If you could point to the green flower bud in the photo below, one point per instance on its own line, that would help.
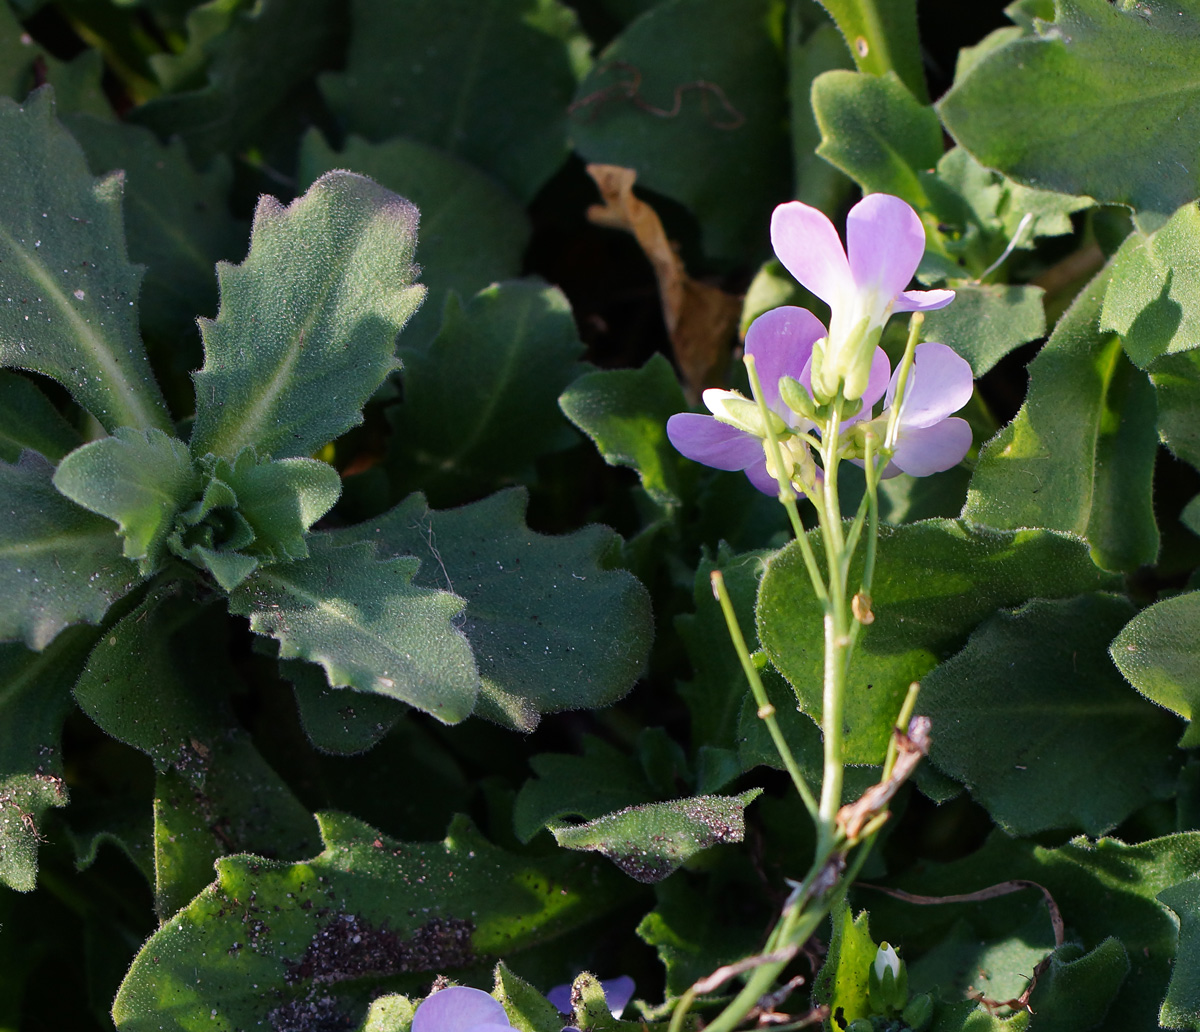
(918, 1013)
(731, 408)
(797, 398)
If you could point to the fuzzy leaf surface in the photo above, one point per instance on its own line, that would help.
(551, 627)
(139, 479)
(307, 325)
(652, 841)
(1176, 380)
(270, 939)
(29, 421)
(986, 321)
(1104, 100)
(1088, 751)
(69, 307)
(59, 564)
(934, 582)
(1079, 456)
(1181, 1007)
(367, 624)
(1159, 652)
(338, 720)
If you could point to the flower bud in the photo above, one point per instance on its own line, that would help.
(731, 408)
(887, 981)
(797, 398)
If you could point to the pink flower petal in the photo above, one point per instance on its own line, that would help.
(809, 247)
(460, 1009)
(922, 300)
(703, 439)
(921, 451)
(781, 342)
(940, 383)
(885, 241)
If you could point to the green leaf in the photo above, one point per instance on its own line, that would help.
(600, 781)
(1158, 652)
(1176, 380)
(28, 420)
(652, 841)
(140, 479)
(70, 295)
(308, 321)
(473, 231)
(271, 942)
(877, 132)
(934, 582)
(242, 65)
(177, 219)
(693, 96)
(817, 183)
(502, 75)
(1181, 1007)
(842, 981)
(59, 564)
(987, 321)
(335, 720)
(528, 1010)
(1153, 298)
(1079, 456)
(1043, 106)
(881, 35)
(551, 626)
(1092, 752)
(625, 412)
(365, 622)
(1075, 992)
(480, 403)
(34, 701)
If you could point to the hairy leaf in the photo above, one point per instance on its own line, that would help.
(986, 321)
(934, 582)
(308, 321)
(650, 842)
(59, 564)
(338, 720)
(274, 942)
(882, 37)
(1176, 380)
(29, 421)
(1181, 1007)
(1079, 456)
(367, 624)
(68, 307)
(552, 628)
(1078, 749)
(1102, 101)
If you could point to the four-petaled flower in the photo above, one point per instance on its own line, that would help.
(863, 283)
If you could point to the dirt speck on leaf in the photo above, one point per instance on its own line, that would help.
(312, 1014)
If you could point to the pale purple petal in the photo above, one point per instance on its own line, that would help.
(885, 242)
(808, 245)
(877, 382)
(763, 480)
(781, 342)
(460, 1009)
(703, 439)
(617, 993)
(560, 996)
(939, 383)
(922, 300)
(921, 451)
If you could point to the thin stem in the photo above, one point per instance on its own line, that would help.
(902, 719)
(906, 363)
(766, 711)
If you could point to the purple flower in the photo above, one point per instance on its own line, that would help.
(781, 342)
(863, 284)
(460, 1009)
(929, 440)
(617, 994)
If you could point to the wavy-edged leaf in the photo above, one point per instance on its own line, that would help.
(1181, 1007)
(308, 321)
(339, 721)
(652, 841)
(934, 582)
(59, 564)
(473, 231)
(272, 942)
(366, 622)
(35, 698)
(1104, 100)
(68, 295)
(501, 70)
(552, 628)
(138, 478)
(1079, 456)
(29, 421)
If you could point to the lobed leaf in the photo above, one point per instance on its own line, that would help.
(935, 581)
(367, 624)
(1042, 106)
(59, 564)
(69, 300)
(274, 942)
(551, 627)
(652, 841)
(308, 321)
